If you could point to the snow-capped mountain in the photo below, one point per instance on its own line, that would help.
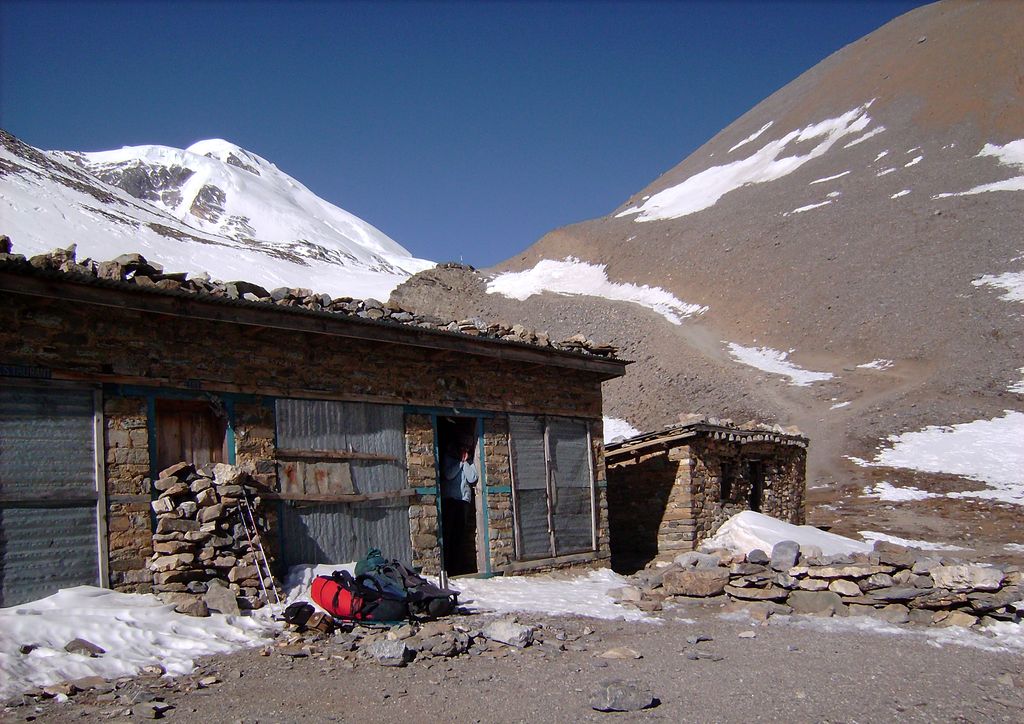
(211, 207)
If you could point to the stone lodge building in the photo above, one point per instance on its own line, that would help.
(670, 490)
(338, 411)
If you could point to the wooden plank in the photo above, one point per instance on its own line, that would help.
(358, 498)
(326, 455)
(48, 500)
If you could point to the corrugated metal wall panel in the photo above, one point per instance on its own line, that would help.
(353, 426)
(46, 451)
(573, 518)
(46, 441)
(344, 532)
(337, 533)
(46, 549)
(530, 468)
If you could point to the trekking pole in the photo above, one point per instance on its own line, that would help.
(257, 548)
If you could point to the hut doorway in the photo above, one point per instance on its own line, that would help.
(459, 476)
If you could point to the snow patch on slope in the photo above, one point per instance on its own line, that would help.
(704, 189)
(871, 537)
(753, 136)
(1012, 154)
(989, 451)
(1012, 282)
(809, 207)
(890, 493)
(617, 429)
(775, 361)
(573, 277)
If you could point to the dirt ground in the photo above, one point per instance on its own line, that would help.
(788, 670)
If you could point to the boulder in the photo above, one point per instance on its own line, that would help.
(221, 599)
(785, 554)
(84, 648)
(758, 557)
(693, 559)
(389, 653)
(509, 632)
(819, 603)
(696, 582)
(967, 577)
(771, 593)
(621, 695)
(844, 587)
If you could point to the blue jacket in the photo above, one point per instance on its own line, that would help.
(458, 479)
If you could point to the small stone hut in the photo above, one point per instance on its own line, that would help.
(338, 411)
(671, 489)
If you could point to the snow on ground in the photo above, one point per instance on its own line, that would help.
(885, 172)
(881, 155)
(898, 194)
(913, 162)
(828, 178)
(774, 361)
(890, 493)
(871, 536)
(752, 137)
(1012, 282)
(1001, 636)
(1012, 154)
(135, 631)
(749, 530)
(989, 451)
(877, 364)
(704, 189)
(839, 405)
(1017, 387)
(1014, 547)
(870, 134)
(574, 277)
(615, 429)
(580, 595)
(802, 209)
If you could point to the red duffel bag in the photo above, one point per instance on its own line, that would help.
(346, 597)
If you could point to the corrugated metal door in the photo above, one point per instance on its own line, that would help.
(571, 486)
(48, 516)
(336, 533)
(531, 485)
(554, 504)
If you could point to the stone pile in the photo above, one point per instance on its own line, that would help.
(204, 553)
(894, 583)
(134, 268)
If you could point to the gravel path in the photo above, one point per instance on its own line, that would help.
(789, 670)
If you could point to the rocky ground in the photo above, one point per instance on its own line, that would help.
(701, 661)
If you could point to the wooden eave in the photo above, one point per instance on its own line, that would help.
(673, 437)
(76, 289)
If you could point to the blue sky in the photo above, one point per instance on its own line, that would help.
(462, 130)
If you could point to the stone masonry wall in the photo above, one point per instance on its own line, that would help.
(782, 493)
(423, 517)
(499, 504)
(128, 487)
(106, 343)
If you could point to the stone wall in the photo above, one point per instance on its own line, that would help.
(499, 493)
(423, 514)
(666, 502)
(83, 339)
(129, 525)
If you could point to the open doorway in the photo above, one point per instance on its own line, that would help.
(460, 494)
(755, 473)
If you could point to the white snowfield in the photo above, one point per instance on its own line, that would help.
(134, 630)
(266, 228)
(752, 137)
(889, 493)
(776, 362)
(989, 451)
(877, 364)
(1012, 155)
(703, 190)
(808, 207)
(572, 277)
(616, 429)
(872, 536)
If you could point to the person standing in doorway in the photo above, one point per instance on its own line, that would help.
(459, 476)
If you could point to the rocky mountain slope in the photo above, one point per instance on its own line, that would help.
(212, 207)
(863, 223)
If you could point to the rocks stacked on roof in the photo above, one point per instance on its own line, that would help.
(893, 583)
(136, 269)
(205, 555)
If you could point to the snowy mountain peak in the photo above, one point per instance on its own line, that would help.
(195, 209)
